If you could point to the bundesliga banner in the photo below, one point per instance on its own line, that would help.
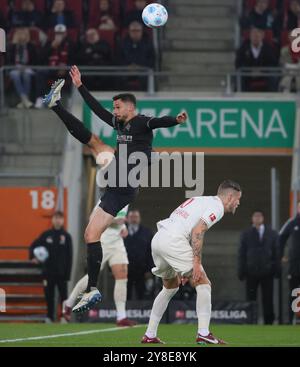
(228, 123)
(179, 312)
(184, 312)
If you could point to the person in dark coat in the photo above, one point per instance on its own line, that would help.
(138, 247)
(28, 16)
(256, 53)
(291, 229)
(259, 262)
(59, 15)
(136, 51)
(57, 265)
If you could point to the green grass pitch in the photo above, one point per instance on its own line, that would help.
(108, 335)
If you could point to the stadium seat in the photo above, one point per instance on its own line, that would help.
(4, 8)
(284, 38)
(109, 37)
(94, 10)
(40, 5)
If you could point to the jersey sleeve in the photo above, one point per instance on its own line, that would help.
(158, 122)
(212, 215)
(95, 106)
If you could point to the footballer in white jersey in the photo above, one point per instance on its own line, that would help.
(177, 255)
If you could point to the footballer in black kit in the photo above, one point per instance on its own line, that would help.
(134, 131)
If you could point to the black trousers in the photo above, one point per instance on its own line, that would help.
(136, 281)
(266, 284)
(49, 289)
(294, 282)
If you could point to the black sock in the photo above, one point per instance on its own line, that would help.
(75, 126)
(94, 259)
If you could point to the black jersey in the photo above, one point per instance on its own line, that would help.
(137, 133)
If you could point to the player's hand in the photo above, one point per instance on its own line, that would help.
(76, 76)
(198, 273)
(181, 118)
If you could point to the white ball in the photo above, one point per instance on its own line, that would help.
(155, 15)
(41, 253)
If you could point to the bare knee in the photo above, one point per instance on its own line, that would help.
(171, 283)
(91, 236)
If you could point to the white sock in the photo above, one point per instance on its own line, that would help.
(120, 297)
(80, 287)
(203, 307)
(158, 309)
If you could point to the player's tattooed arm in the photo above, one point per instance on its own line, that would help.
(197, 239)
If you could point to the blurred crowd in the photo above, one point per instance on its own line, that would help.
(266, 27)
(57, 33)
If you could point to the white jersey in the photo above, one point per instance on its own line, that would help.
(183, 219)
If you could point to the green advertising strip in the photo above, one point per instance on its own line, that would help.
(213, 123)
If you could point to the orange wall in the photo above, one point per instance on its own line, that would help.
(25, 213)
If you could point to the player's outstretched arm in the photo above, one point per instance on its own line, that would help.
(167, 121)
(94, 105)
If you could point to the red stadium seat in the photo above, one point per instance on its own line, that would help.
(109, 37)
(39, 5)
(284, 38)
(4, 8)
(94, 10)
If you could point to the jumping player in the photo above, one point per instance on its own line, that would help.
(177, 255)
(133, 130)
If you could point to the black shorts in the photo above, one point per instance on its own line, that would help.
(114, 199)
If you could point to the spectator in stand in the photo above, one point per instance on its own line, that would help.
(28, 16)
(57, 52)
(21, 52)
(104, 19)
(290, 61)
(136, 13)
(138, 247)
(291, 230)
(288, 20)
(259, 262)
(59, 15)
(94, 52)
(260, 16)
(57, 264)
(256, 53)
(136, 51)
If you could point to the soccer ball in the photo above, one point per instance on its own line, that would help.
(155, 15)
(41, 253)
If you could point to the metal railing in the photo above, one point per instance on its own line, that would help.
(234, 79)
(231, 82)
(110, 71)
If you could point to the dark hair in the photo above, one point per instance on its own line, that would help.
(259, 211)
(126, 97)
(229, 184)
(58, 213)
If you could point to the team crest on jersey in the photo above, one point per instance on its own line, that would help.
(212, 217)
